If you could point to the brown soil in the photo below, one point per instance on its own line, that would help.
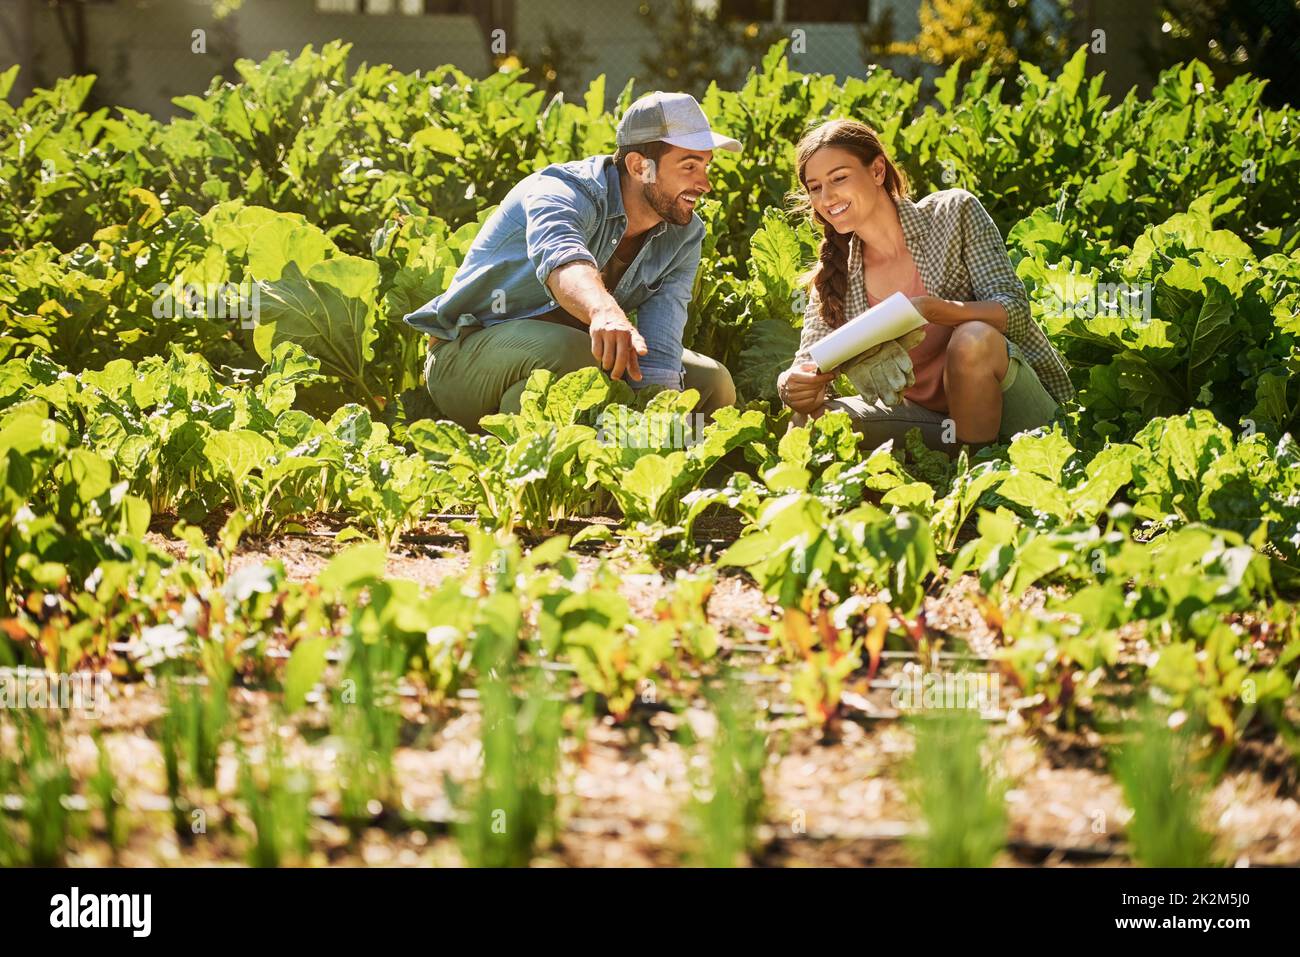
(831, 801)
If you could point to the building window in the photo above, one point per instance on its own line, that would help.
(411, 8)
(795, 11)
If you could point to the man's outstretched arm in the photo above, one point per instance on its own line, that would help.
(615, 342)
(558, 218)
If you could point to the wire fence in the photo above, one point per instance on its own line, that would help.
(145, 52)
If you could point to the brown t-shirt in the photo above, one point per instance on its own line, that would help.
(610, 276)
(613, 272)
(929, 357)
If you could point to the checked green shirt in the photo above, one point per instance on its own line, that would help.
(960, 255)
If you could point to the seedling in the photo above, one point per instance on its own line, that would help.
(959, 799)
(277, 797)
(1160, 775)
(45, 782)
(509, 813)
(104, 784)
(727, 805)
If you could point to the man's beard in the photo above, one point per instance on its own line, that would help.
(666, 207)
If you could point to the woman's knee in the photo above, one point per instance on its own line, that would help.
(975, 343)
(1025, 403)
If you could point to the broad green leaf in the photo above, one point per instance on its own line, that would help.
(329, 311)
(281, 241)
(1043, 455)
(186, 447)
(354, 566)
(769, 349)
(237, 454)
(439, 140)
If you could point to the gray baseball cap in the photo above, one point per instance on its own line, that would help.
(673, 118)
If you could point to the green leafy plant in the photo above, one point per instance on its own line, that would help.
(727, 804)
(613, 652)
(640, 459)
(959, 799)
(796, 549)
(1156, 769)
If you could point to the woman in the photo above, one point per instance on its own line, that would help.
(982, 371)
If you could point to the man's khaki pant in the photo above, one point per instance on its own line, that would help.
(485, 370)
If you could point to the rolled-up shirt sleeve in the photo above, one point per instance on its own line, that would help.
(993, 278)
(559, 220)
(661, 320)
(814, 329)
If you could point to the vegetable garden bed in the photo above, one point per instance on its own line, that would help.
(341, 631)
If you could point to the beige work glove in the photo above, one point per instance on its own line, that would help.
(885, 371)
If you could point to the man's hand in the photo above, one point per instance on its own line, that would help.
(803, 388)
(616, 343)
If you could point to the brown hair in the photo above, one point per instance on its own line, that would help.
(830, 276)
(653, 151)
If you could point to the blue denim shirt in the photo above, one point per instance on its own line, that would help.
(565, 213)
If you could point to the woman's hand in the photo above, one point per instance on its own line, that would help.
(803, 388)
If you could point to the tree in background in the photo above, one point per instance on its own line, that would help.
(559, 62)
(17, 23)
(1233, 37)
(70, 15)
(1002, 32)
(695, 45)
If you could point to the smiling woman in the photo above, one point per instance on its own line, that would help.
(983, 370)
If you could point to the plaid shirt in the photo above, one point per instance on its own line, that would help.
(960, 255)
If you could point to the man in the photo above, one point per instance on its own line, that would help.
(570, 252)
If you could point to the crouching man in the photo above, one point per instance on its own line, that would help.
(571, 251)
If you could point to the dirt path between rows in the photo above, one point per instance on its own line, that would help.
(624, 789)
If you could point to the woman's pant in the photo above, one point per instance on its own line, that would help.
(1026, 404)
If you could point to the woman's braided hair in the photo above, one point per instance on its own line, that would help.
(830, 277)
